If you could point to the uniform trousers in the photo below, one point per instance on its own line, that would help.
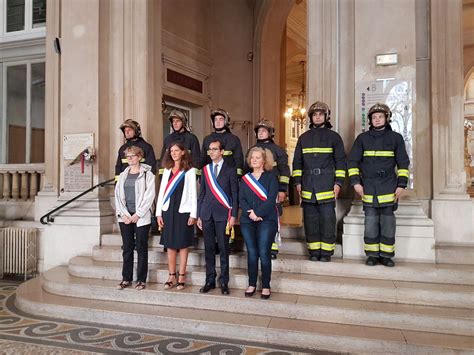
(320, 228)
(379, 231)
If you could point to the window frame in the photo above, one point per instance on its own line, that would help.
(29, 32)
(3, 117)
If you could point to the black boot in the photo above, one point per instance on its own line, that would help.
(371, 261)
(387, 262)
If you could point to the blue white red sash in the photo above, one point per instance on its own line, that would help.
(172, 185)
(255, 186)
(216, 190)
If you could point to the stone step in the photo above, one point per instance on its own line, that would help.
(387, 315)
(418, 272)
(268, 329)
(405, 292)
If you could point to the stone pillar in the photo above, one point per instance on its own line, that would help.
(24, 185)
(15, 185)
(451, 208)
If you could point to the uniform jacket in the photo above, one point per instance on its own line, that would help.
(189, 141)
(280, 164)
(189, 198)
(248, 200)
(373, 160)
(144, 195)
(319, 163)
(208, 206)
(233, 150)
(148, 155)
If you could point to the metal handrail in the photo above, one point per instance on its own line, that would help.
(51, 219)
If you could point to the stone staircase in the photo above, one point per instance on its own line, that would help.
(418, 308)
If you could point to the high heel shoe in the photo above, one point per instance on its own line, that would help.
(250, 293)
(266, 296)
(169, 283)
(180, 285)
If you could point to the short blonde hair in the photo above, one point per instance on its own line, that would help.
(134, 150)
(266, 155)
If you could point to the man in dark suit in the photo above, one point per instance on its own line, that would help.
(217, 213)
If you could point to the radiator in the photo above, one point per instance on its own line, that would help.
(18, 251)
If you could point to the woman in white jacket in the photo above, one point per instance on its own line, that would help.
(134, 195)
(176, 210)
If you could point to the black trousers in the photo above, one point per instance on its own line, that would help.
(134, 236)
(215, 231)
(379, 231)
(320, 228)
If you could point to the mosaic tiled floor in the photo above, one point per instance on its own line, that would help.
(22, 333)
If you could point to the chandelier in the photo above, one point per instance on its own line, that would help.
(298, 113)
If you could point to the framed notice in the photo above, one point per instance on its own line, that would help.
(74, 144)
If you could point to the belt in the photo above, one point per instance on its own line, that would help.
(319, 171)
(380, 174)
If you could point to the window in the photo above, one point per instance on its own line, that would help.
(22, 19)
(22, 128)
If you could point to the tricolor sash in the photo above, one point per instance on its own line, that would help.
(172, 185)
(262, 194)
(219, 194)
(255, 186)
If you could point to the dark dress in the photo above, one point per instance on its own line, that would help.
(176, 232)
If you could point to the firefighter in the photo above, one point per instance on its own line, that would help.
(233, 155)
(319, 170)
(182, 134)
(265, 132)
(378, 170)
(133, 136)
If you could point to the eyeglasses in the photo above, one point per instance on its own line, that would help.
(130, 156)
(213, 149)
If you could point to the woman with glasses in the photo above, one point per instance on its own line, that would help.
(259, 221)
(176, 210)
(134, 195)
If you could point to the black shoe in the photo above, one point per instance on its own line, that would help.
(274, 256)
(266, 297)
(387, 262)
(371, 261)
(314, 258)
(207, 287)
(325, 259)
(225, 289)
(250, 293)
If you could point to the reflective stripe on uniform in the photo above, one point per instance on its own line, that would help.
(297, 173)
(275, 163)
(314, 245)
(116, 178)
(327, 246)
(371, 247)
(386, 198)
(353, 171)
(326, 195)
(387, 248)
(340, 173)
(275, 246)
(228, 152)
(124, 161)
(368, 198)
(239, 171)
(379, 153)
(317, 150)
(285, 179)
(402, 172)
(161, 171)
(198, 171)
(306, 195)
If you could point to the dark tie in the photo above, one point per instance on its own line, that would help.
(215, 169)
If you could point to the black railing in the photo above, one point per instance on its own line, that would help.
(48, 216)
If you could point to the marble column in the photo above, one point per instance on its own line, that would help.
(452, 210)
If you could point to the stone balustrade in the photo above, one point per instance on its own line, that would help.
(20, 181)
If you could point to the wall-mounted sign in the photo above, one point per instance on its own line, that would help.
(183, 80)
(74, 144)
(386, 59)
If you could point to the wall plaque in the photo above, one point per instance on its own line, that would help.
(183, 80)
(77, 178)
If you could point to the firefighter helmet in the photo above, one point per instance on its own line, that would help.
(223, 113)
(320, 107)
(265, 124)
(180, 115)
(133, 125)
(379, 107)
